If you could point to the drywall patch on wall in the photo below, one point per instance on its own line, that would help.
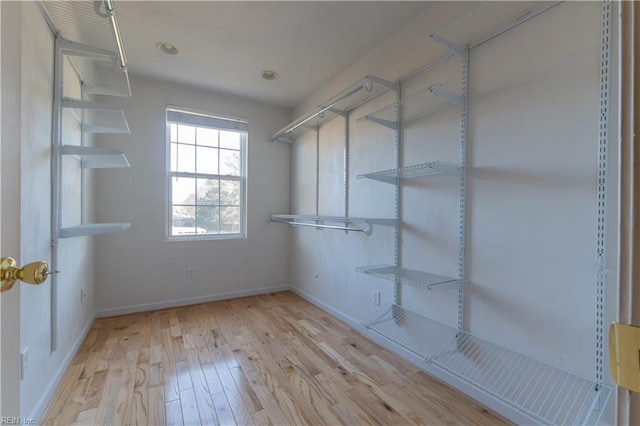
(137, 266)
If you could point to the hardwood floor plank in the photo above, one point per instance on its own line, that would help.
(350, 414)
(156, 406)
(201, 389)
(107, 406)
(267, 360)
(223, 410)
(87, 417)
(260, 418)
(190, 415)
(247, 394)
(173, 411)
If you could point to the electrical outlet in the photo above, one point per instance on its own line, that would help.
(24, 362)
(191, 273)
(376, 297)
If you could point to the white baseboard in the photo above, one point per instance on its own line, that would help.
(45, 398)
(146, 307)
(489, 402)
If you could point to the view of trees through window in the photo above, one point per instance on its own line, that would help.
(206, 180)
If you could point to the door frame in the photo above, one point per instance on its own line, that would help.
(628, 407)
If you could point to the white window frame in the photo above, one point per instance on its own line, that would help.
(242, 178)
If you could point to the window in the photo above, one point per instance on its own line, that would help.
(206, 175)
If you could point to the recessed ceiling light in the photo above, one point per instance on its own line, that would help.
(270, 75)
(167, 48)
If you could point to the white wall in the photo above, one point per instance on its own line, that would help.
(137, 269)
(533, 131)
(39, 303)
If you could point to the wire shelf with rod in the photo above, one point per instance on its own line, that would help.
(92, 43)
(424, 102)
(414, 171)
(547, 394)
(341, 223)
(357, 94)
(420, 279)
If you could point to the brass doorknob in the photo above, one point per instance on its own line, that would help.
(33, 273)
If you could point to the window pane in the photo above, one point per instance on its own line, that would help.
(229, 193)
(186, 134)
(186, 158)
(207, 160)
(174, 149)
(173, 129)
(183, 221)
(207, 137)
(229, 220)
(230, 140)
(183, 190)
(208, 220)
(208, 192)
(229, 162)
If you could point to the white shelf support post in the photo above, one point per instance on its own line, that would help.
(603, 158)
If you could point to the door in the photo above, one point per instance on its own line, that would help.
(26, 72)
(10, 134)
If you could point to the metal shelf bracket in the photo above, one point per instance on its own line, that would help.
(452, 47)
(386, 123)
(447, 95)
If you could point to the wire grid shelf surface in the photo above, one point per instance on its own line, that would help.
(415, 333)
(414, 171)
(97, 158)
(546, 393)
(348, 99)
(97, 118)
(420, 279)
(101, 77)
(86, 22)
(413, 106)
(92, 229)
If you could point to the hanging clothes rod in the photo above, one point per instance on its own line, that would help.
(341, 228)
(122, 56)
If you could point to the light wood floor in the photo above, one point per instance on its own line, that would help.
(273, 359)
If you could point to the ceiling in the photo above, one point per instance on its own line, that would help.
(225, 45)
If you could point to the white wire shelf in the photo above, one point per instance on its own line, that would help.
(356, 224)
(489, 20)
(91, 41)
(97, 158)
(92, 229)
(419, 335)
(545, 393)
(355, 95)
(420, 279)
(415, 171)
(97, 118)
(418, 104)
(548, 394)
